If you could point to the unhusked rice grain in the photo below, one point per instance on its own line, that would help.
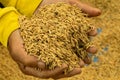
(57, 34)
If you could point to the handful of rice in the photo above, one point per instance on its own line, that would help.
(57, 34)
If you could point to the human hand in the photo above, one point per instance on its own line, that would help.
(29, 65)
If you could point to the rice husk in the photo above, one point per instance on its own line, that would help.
(57, 34)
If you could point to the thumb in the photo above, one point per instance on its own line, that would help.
(18, 53)
(29, 60)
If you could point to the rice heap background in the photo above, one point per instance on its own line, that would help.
(57, 34)
(108, 65)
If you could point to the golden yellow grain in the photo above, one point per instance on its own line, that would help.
(57, 34)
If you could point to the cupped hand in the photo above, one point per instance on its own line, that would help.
(28, 64)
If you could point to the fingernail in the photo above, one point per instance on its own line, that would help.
(92, 32)
(92, 49)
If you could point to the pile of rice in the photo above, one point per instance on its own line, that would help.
(57, 34)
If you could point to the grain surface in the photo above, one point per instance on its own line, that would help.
(57, 34)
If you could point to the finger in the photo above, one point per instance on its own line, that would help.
(72, 73)
(18, 52)
(27, 60)
(44, 73)
(86, 8)
(81, 63)
(87, 60)
(56, 71)
(31, 61)
(92, 32)
(29, 70)
(92, 49)
(22, 68)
